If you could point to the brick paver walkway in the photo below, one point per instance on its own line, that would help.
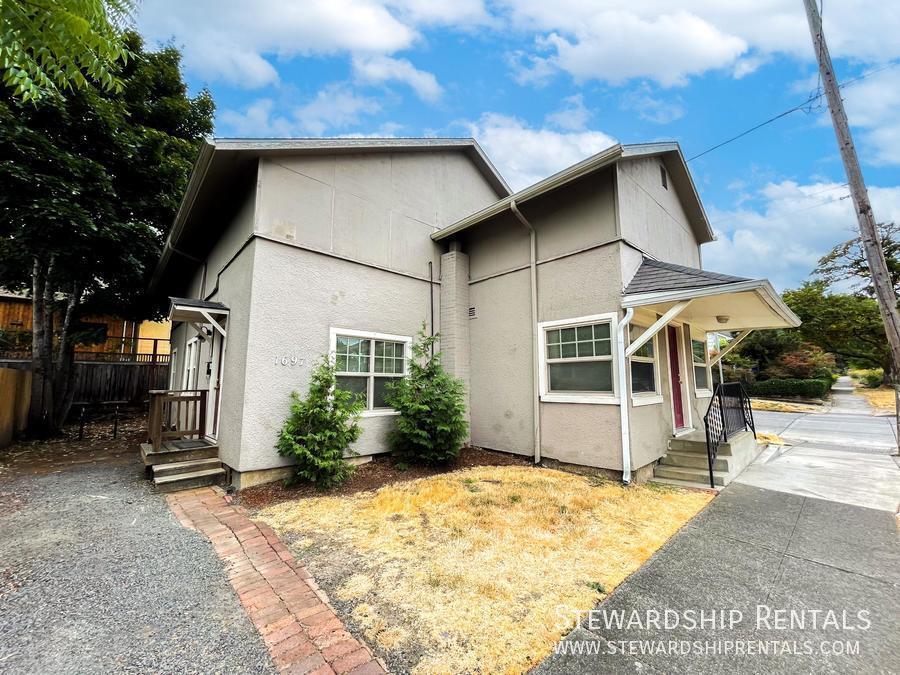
(291, 612)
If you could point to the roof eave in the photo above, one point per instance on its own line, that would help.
(762, 286)
(558, 179)
(198, 172)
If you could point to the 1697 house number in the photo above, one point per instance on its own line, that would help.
(289, 360)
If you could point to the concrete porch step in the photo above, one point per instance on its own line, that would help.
(689, 475)
(191, 479)
(696, 443)
(190, 466)
(170, 453)
(694, 460)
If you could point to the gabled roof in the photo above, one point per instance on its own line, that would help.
(221, 159)
(670, 154)
(654, 275)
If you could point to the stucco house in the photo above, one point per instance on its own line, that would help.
(576, 310)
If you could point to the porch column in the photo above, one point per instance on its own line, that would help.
(455, 316)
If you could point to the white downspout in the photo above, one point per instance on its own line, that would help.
(536, 360)
(623, 395)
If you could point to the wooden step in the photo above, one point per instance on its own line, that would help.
(189, 466)
(169, 454)
(189, 480)
(690, 475)
(693, 460)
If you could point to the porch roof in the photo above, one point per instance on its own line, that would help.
(711, 301)
(192, 310)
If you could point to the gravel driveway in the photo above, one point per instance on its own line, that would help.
(96, 575)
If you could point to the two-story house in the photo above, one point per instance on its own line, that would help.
(575, 310)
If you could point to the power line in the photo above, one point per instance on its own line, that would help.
(801, 106)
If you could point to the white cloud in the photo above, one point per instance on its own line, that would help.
(233, 40)
(614, 40)
(783, 239)
(333, 108)
(668, 48)
(456, 12)
(872, 105)
(573, 116)
(652, 108)
(382, 69)
(525, 155)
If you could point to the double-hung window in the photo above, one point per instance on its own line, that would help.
(644, 373)
(700, 359)
(367, 363)
(578, 362)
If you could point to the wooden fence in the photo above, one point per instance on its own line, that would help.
(107, 382)
(15, 398)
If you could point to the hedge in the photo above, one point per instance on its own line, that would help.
(804, 388)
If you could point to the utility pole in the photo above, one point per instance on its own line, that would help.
(884, 290)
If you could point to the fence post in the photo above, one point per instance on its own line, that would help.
(155, 343)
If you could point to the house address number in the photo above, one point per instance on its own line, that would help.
(289, 360)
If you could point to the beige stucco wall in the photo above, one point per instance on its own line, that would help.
(297, 296)
(652, 217)
(583, 283)
(378, 208)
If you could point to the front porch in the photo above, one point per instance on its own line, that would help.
(183, 450)
(708, 446)
(179, 453)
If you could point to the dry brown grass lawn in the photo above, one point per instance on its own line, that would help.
(882, 398)
(784, 406)
(466, 571)
(773, 439)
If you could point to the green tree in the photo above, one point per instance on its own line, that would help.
(89, 186)
(432, 423)
(320, 428)
(761, 349)
(50, 45)
(847, 262)
(846, 325)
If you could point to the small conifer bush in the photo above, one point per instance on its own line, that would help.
(431, 426)
(320, 428)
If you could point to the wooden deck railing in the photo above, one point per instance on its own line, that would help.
(176, 414)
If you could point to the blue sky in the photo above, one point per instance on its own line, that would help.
(542, 85)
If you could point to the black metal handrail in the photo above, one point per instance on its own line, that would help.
(729, 412)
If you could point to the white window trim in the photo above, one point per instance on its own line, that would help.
(191, 364)
(706, 392)
(333, 332)
(595, 399)
(646, 397)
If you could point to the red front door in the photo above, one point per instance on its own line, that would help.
(675, 370)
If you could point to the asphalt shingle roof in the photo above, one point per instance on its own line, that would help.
(654, 276)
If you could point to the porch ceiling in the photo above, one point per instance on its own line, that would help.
(745, 305)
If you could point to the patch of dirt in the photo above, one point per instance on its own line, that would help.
(379, 472)
(47, 455)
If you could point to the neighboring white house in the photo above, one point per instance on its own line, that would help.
(575, 310)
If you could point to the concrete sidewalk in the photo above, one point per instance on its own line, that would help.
(756, 551)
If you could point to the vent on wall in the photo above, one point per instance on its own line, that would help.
(472, 314)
